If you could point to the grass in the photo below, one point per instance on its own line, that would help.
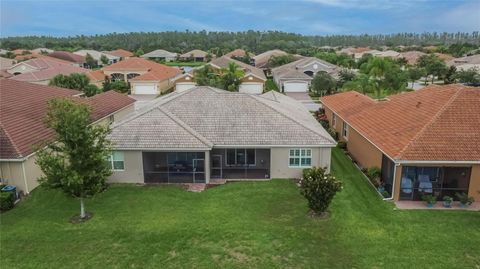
(270, 85)
(238, 225)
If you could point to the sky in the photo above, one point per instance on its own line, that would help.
(309, 17)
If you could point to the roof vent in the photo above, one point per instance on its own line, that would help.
(418, 104)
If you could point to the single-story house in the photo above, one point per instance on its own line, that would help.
(412, 56)
(467, 62)
(6, 63)
(261, 60)
(161, 55)
(424, 142)
(253, 80)
(121, 53)
(97, 56)
(97, 77)
(297, 76)
(185, 82)
(23, 107)
(144, 76)
(206, 133)
(43, 51)
(75, 59)
(238, 53)
(40, 70)
(195, 55)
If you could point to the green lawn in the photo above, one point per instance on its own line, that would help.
(238, 225)
(270, 85)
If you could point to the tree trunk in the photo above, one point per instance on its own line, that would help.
(82, 208)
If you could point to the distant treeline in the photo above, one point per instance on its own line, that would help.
(221, 42)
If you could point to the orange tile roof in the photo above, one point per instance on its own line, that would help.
(96, 75)
(437, 123)
(155, 71)
(23, 106)
(121, 53)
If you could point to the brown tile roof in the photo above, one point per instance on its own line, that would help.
(238, 53)
(96, 75)
(121, 53)
(48, 67)
(23, 106)
(194, 53)
(412, 56)
(437, 123)
(155, 71)
(68, 56)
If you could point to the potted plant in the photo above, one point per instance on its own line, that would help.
(430, 199)
(447, 201)
(464, 199)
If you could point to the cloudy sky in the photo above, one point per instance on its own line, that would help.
(313, 17)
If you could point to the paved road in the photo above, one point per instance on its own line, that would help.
(305, 99)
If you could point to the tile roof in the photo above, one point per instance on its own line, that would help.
(196, 53)
(97, 55)
(412, 56)
(159, 53)
(120, 53)
(47, 68)
(472, 59)
(23, 106)
(296, 69)
(68, 56)
(6, 63)
(205, 116)
(261, 59)
(436, 123)
(156, 71)
(238, 53)
(224, 61)
(96, 75)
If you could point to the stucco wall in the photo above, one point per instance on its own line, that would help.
(12, 173)
(366, 154)
(474, 188)
(338, 123)
(133, 172)
(279, 158)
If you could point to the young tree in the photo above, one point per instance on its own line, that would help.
(346, 75)
(206, 77)
(470, 76)
(104, 59)
(75, 81)
(416, 73)
(323, 84)
(362, 83)
(90, 62)
(319, 188)
(139, 52)
(432, 64)
(230, 77)
(450, 75)
(76, 161)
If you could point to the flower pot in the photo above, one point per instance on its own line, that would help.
(447, 204)
(462, 205)
(429, 205)
(381, 189)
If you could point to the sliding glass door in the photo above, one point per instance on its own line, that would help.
(174, 167)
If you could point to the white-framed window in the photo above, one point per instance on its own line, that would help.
(301, 158)
(117, 161)
(334, 120)
(345, 130)
(240, 157)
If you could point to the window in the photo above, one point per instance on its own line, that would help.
(116, 160)
(111, 119)
(240, 157)
(334, 120)
(300, 158)
(345, 130)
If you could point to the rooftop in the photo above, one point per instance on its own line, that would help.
(155, 71)
(224, 61)
(68, 56)
(121, 53)
(46, 68)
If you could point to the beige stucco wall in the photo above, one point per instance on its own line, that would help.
(366, 154)
(279, 158)
(474, 188)
(133, 172)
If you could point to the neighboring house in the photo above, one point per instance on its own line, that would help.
(412, 56)
(261, 60)
(40, 70)
(206, 133)
(121, 53)
(75, 59)
(253, 80)
(97, 77)
(297, 76)
(465, 63)
(6, 63)
(97, 55)
(387, 54)
(22, 55)
(424, 142)
(185, 82)
(23, 107)
(161, 55)
(238, 53)
(144, 76)
(195, 55)
(443, 56)
(42, 51)
(360, 54)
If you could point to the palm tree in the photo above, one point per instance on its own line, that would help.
(230, 77)
(377, 68)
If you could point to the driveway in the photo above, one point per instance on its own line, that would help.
(305, 99)
(142, 99)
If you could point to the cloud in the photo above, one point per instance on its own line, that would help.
(368, 4)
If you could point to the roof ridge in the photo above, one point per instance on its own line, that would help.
(186, 127)
(430, 122)
(7, 135)
(290, 118)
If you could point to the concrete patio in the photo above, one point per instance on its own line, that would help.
(438, 206)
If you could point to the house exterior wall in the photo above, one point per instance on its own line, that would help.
(474, 187)
(279, 162)
(365, 153)
(133, 172)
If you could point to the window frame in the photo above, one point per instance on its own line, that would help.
(345, 130)
(236, 164)
(302, 155)
(334, 120)
(112, 161)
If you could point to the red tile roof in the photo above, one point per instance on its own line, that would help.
(68, 56)
(155, 71)
(437, 123)
(48, 67)
(121, 53)
(23, 106)
(96, 75)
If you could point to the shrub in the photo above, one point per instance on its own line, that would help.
(7, 200)
(333, 133)
(464, 198)
(319, 188)
(373, 173)
(342, 144)
(429, 198)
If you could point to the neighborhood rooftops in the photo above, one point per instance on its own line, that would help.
(120, 53)
(437, 123)
(294, 70)
(154, 71)
(160, 54)
(45, 68)
(68, 56)
(23, 107)
(204, 117)
(261, 59)
(238, 53)
(224, 61)
(195, 54)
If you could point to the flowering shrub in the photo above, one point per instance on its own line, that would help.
(319, 188)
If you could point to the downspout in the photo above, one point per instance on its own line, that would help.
(25, 177)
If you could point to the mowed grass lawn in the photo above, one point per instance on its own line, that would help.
(238, 225)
